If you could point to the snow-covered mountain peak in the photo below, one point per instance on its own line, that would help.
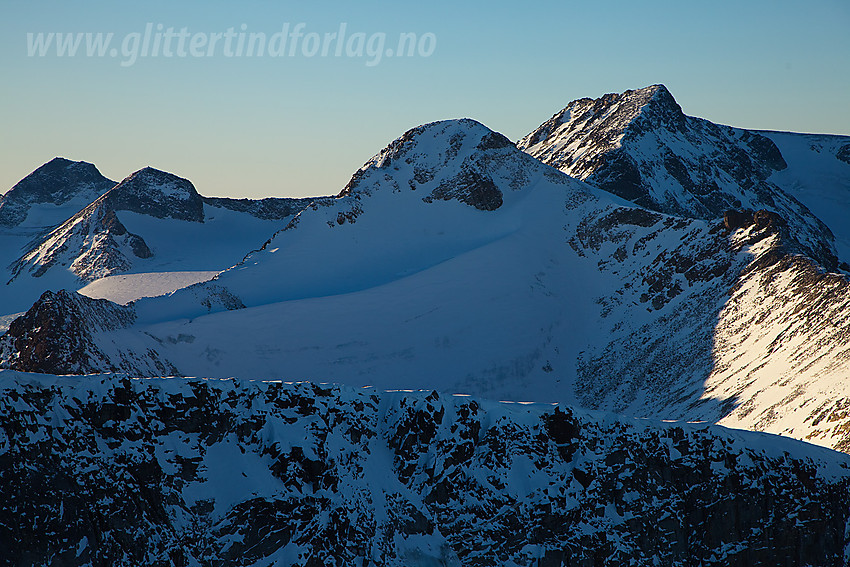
(159, 194)
(640, 146)
(459, 160)
(55, 183)
(94, 243)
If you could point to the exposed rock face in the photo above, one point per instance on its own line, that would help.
(641, 146)
(55, 182)
(104, 470)
(470, 187)
(57, 336)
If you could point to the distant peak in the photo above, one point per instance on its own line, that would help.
(150, 174)
(56, 182)
(60, 170)
(448, 159)
(654, 102)
(158, 193)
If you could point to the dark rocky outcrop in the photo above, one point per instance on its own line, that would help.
(158, 194)
(56, 336)
(471, 187)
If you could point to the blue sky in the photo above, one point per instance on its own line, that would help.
(297, 126)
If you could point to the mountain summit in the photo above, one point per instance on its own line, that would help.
(640, 146)
(56, 182)
(158, 194)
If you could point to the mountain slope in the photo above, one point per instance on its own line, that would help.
(106, 470)
(454, 261)
(94, 243)
(641, 146)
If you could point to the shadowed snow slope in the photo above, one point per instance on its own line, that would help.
(818, 175)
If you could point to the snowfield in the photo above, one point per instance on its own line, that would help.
(123, 289)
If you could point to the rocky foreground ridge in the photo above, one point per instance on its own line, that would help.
(105, 470)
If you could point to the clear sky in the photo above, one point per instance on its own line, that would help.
(301, 125)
